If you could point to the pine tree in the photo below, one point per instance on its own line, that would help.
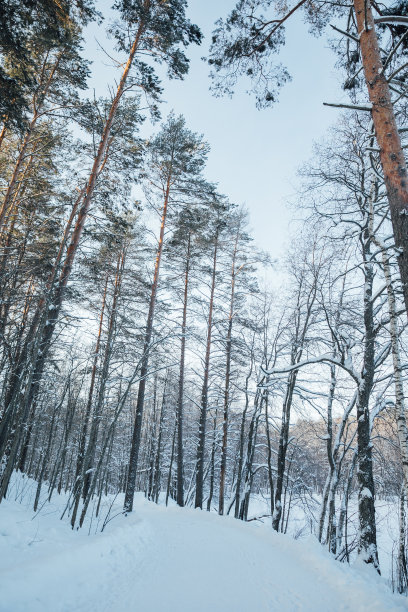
(175, 163)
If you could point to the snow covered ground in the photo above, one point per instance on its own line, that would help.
(303, 520)
(171, 559)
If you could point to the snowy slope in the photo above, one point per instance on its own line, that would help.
(171, 559)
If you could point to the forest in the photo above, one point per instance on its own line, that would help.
(144, 348)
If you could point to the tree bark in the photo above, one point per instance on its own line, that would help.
(180, 461)
(224, 445)
(204, 393)
(367, 547)
(386, 131)
(137, 429)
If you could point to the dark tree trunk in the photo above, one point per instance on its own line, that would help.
(212, 463)
(224, 446)
(137, 429)
(204, 393)
(180, 461)
(282, 449)
(241, 445)
(269, 457)
(368, 534)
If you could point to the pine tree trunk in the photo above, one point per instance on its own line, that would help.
(83, 478)
(212, 463)
(388, 139)
(3, 131)
(224, 445)
(180, 460)
(157, 464)
(97, 415)
(241, 445)
(204, 393)
(137, 429)
(85, 425)
(171, 465)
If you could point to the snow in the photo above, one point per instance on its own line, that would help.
(171, 559)
(303, 519)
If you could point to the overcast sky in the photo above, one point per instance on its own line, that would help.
(254, 154)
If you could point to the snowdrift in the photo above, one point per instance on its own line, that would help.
(170, 559)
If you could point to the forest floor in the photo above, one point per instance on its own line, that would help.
(170, 559)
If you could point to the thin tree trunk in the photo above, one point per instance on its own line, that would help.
(249, 459)
(269, 457)
(137, 429)
(400, 414)
(84, 477)
(224, 446)
(212, 463)
(282, 449)
(171, 464)
(180, 461)
(84, 430)
(204, 393)
(157, 464)
(402, 579)
(342, 524)
(241, 443)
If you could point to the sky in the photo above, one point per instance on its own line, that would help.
(254, 154)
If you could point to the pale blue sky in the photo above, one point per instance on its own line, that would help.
(254, 154)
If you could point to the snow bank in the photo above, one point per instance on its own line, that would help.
(170, 559)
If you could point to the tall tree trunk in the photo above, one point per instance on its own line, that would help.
(402, 577)
(168, 489)
(329, 449)
(97, 414)
(282, 448)
(204, 392)
(400, 413)
(152, 446)
(269, 456)
(83, 478)
(250, 455)
(241, 442)
(158, 458)
(224, 445)
(212, 463)
(298, 341)
(388, 139)
(368, 534)
(137, 429)
(342, 523)
(85, 424)
(180, 461)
